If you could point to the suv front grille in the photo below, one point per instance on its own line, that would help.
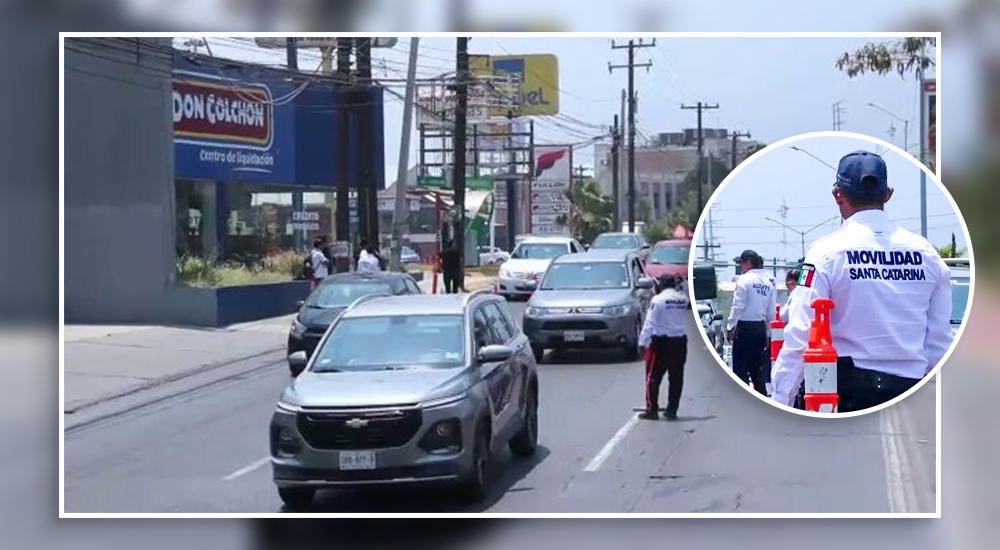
(581, 324)
(336, 431)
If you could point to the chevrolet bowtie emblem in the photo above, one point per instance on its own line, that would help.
(356, 423)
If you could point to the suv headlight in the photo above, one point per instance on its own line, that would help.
(617, 311)
(532, 311)
(297, 330)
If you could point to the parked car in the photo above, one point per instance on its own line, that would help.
(457, 382)
(712, 324)
(492, 256)
(528, 262)
(669, 257)
(622, 241)
(407, 255)
(332, 297)
(597, 299)
(961, 281)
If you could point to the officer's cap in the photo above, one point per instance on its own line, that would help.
(863, 175)
(749, 256)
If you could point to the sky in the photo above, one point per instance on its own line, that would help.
(742, 204)
(773, 88)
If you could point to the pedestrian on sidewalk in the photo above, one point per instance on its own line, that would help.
(753, 308)
(319, 264)
(450, 263)
(368, 260)
(664, 347)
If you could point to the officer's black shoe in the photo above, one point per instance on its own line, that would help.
(649, 415)
(670, 416)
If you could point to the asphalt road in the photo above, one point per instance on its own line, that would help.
(206, 450)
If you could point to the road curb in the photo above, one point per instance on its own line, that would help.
(151, 384)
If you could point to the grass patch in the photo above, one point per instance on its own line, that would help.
(209, 273)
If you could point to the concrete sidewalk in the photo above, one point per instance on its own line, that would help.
(104, 362)
(473, 282)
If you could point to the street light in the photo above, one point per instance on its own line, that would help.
(906, 124)
(803, 233)
(813, 156)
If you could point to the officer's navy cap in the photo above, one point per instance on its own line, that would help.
(666, 281)
(862, 174)
(748, 256)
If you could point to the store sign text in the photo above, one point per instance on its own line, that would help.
(212, 113)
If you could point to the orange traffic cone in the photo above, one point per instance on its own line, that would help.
(821, 362)
(777, 334)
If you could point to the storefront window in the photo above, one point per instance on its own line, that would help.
(196, 227)
(266, 221)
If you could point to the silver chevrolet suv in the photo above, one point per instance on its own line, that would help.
(401, 389)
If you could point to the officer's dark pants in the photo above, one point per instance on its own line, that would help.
(862, 389)
(668, 355)
(748, 353)
(450, 281)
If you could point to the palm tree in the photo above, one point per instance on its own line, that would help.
(592, 211)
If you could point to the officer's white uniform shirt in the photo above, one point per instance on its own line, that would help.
(667, 312)
(783, 312)
(753, 299)
(368, 263)
(320, 265)
(892, 302)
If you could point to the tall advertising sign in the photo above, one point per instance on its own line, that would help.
(928, 126)
(230, 131)
(549, 205)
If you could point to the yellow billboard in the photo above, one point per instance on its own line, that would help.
(537, 73)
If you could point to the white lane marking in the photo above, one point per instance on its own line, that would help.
(898, 475)
(609, 447)
(247, 469)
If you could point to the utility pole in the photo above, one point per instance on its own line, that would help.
(736, 136)
(346, 96)
(580, 173)
(616, 141)
(923, 156)
(367, 191)
(838, 115)
(399, 214)
(701, 160)
(631, 46)
(461, 107)
(621, 160)
(298, 203)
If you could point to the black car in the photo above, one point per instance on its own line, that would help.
(332, 296)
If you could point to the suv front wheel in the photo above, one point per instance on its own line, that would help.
(525, 443)
(473, 484)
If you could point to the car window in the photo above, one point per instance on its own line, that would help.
(341, 293)
(359, 343)
(585, 276)
(636, 270)
(663, 255)
(515, 327)
(481, 330)
(412, 287)
(616, 241)
(498, 322)
(398, 286)
(541, 251)
(959, 298)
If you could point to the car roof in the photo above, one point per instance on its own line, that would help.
(369, 276)
(536, 239)
(618, 234)
(410, 304)
(596, 255)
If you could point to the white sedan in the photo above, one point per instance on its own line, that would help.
(492, 257)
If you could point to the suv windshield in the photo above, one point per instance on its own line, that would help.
(959, 298)
(359, 343)
(343, 293)
(585, 276)
(617, 241)
(539, 251)
(670, 255)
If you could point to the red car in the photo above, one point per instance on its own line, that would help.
(669, 257)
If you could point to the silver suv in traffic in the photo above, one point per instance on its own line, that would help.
(596, 299)
(419, 388)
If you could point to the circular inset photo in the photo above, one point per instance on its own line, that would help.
(832, 274)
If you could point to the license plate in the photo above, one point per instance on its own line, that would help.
(358, 460)
(573, 336)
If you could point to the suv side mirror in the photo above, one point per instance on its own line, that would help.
(494, 354)
(297, 362)
(531, 284)
(718, 317)
(645, 283)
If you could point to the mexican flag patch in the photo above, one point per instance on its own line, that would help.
(807, 275)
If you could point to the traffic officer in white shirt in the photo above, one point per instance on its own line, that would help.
(891, 292)
(663, 340)
(752, 310)
(791, 280)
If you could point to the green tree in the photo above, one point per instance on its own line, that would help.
(592, 210)
(657, 231)
(904, 55)
(644, 211)
(753, 148)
